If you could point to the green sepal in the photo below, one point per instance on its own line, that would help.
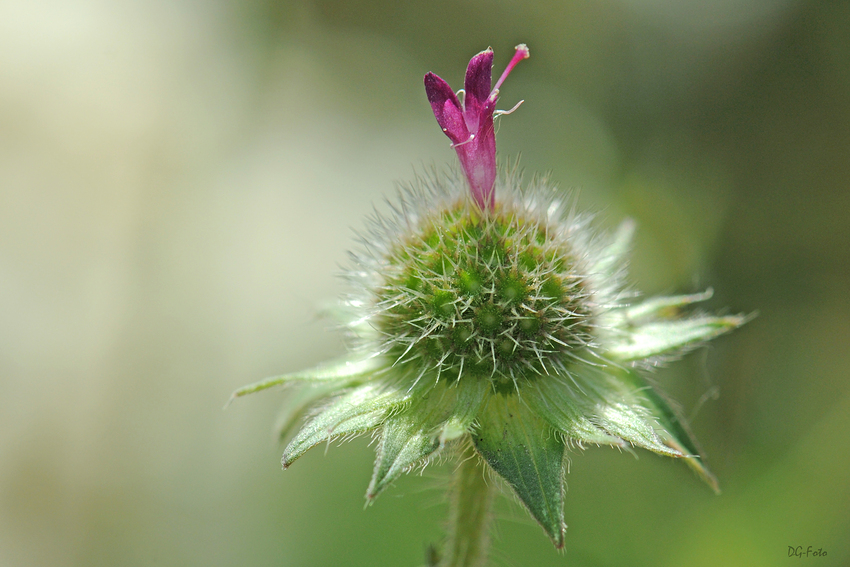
(522, 448)
(343, 371)
(675, 432)
(567, 411)
(470, 398)
(612, 258)
(665, 307)
(299, 402)
(412, 435)
(355, 412)
(621, 410)
(635, 424)
(402, 446)
(669, 337)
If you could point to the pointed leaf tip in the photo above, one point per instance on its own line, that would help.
(523, 450)
(676, 432)
(361, 409)
(342, 371)
(411, 436)
(663, 337)
(401, 448)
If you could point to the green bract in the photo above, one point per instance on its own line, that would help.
(504, 327)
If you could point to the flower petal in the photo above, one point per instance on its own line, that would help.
(521, 447)
(447, 109)
(477, 87)
(357, 411)
(478, 158)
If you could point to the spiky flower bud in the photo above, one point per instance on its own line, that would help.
(486, 312)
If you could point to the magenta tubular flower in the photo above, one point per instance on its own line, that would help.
(470, 125)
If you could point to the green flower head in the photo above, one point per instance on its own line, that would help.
(486, 313)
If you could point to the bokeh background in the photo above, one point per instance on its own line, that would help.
(178, 184)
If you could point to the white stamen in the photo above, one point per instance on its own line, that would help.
(511, 111)
(471, 137)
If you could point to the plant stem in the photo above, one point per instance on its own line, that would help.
(469, 515)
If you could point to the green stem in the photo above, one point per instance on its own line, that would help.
(469, 515)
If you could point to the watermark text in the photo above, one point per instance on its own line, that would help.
(810, 551)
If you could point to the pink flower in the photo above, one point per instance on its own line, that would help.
(470, 125)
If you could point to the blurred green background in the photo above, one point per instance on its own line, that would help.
(178, 181)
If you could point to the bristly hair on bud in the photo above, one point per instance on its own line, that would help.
(469, 124)
(498, 329)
